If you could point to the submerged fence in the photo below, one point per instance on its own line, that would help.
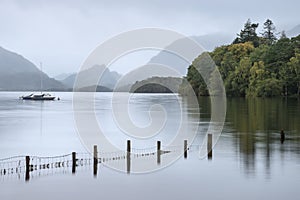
(29, 167)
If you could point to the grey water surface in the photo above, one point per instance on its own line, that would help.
(249, 161)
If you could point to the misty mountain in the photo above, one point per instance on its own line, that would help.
(211, 41)
(18, 73)
(62, 76)
(294, 31)
(69, 80)
(208, 42)
(89, 76)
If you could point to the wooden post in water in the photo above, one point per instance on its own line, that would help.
(128, 146)
(209, 146)
(73, 162)
(128, 156)
(185, 148)
(158, 151)
(27, 168)
(95, 160)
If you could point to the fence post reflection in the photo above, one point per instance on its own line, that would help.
(185, 148)
(158, 152)
(27, 168)
(95, 160)
(73, 162)
(128, 159)
(209, 146)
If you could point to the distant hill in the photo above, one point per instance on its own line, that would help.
(62, 76)
(208, 42)
(99, 88)
(157, 85)
(69, 80)
(18, 73)
(108, 79)
(211, 41)
(294, 31)
(152, 88)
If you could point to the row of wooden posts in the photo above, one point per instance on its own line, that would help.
(28, 167)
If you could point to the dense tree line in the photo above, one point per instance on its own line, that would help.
(261, 66)
(157, 85)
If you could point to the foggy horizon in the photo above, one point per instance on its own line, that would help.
(62, 34)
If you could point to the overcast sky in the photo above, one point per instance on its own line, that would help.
(62, 33)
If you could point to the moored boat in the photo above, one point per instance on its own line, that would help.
(42, 96)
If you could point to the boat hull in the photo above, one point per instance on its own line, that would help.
(41, 97)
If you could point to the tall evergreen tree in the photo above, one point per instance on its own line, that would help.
(283, 35)
(248, 34)
(268, 34)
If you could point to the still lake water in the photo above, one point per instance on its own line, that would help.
(249, 161)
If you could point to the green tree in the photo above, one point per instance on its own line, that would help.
(269, 87)
(294, 66)
(286, 75)
(195, 79)
(248, 34)
(283, 35)
(199, 74)
(278, 54)
(239, 51)
(238, 82)
(216, 83)
(218, 54)
(271, 68)
(268, 34)
(296, 43)
(258, 73)
(262, 83)
(227, 58)
(259, 53)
